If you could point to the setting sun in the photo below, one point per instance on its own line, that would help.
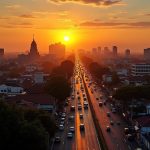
(66, 38)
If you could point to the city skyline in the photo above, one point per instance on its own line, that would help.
(88, 24)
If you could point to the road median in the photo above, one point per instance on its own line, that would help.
(96, 122)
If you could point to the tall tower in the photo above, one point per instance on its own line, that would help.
(33, 49)
(1, 52)
(127, 53)
(115, 51)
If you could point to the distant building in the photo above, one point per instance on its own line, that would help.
(11, 89)
(147, 54)
(1, 52)
(114, 51)
(57, 49)
(127, 53)
(39, 77)
(106, 51)
(140, 69)
(94, 51)
(33, 54)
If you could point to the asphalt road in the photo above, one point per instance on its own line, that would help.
(82, 140)
(115, 140)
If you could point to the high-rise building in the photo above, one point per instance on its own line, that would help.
(1, 52)
(106, 51)
(33, 50)
(127, 53)
(147, 54)
(115, 51)
(94, 50)
(57, 49)
(99, 49)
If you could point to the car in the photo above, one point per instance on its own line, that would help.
(84, 95)
(82, 128)
(85, 105)
(69, 135)
(104, 102)
(71, 129)
(111, 122)
(62, 119)
(108, 129)
(61, 127)
(113, 110)
(72, 108)
(62, 122)
(100, 103)
(63, 115)
(79, 107)
(84, 98)
(130, 137)
(66, 103)
(81, 116)
(71, 117)
(126, 131)
(57, 139)
(108, 114)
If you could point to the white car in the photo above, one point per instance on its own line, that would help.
(71, 117)
(81, 116)
(69, 135)
(61, 127)
(71, 129)
(62, 119)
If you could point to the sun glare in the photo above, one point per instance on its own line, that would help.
(66, 38)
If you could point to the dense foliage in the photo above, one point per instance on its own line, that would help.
(58, 87)
(24, 129)
(65, 69)
(97, 70)
(132, 92)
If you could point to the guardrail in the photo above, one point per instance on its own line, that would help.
(96, 123)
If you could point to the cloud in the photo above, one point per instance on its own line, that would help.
(116, 24)
(27, 16)
(13, 6)
(96, 2)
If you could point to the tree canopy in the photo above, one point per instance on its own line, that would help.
(132, 92)
(58, 87)
(24, 128)
(65, 69)
(97, 70)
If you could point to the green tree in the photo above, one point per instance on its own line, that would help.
(67, 66)
(19, 130)
(58, 87)
(97, 70)
(115, 79)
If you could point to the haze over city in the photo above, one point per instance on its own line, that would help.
(75, 75)
(125, 23)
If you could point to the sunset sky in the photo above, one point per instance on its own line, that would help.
(88, 23)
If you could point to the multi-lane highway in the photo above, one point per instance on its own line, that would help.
(115, 139)
(77, 112)
(82, 139)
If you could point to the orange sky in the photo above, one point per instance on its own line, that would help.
(124, 23)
